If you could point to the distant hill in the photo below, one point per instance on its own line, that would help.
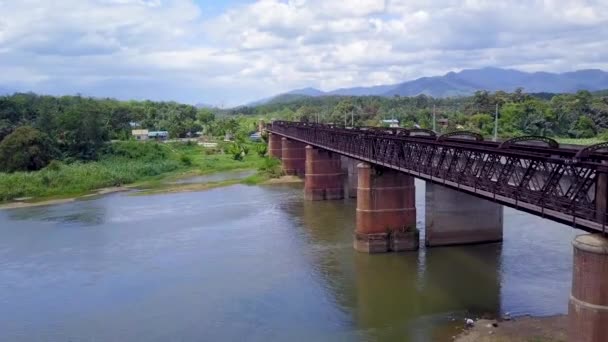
(306, 91)
(204, 105)
(6, 91)
(467, 82)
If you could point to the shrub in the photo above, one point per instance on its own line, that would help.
(271, 167)
(236, 151)
(185, 159)
(148, 151)
(26, 149)
(261, 149)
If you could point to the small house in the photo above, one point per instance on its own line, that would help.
(390, 123)
(158, 135)
(257, 136)
(140, 134)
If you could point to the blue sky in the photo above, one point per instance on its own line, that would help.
(232, 52)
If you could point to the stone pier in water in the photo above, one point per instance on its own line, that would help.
(323, 176)
(588, 307)
(456, 218)
(293, 157)
(386, 211)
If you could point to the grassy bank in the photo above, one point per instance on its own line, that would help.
(122, 164)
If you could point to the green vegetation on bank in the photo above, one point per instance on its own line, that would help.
(123, 163)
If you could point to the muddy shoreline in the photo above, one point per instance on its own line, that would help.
(520, 329)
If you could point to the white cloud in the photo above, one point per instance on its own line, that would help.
(168, 49)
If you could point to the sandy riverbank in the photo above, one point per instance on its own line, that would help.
(166, 188)
(522, 329)
(284, 180)
(33, 202)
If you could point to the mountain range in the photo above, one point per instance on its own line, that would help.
(467, 82)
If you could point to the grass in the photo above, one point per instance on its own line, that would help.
(126, 163)
(573, 141)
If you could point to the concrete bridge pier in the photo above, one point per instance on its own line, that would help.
(323, 176)
(293, 156)
(275, 147)
(588, 307)
(349, 167)
(386, 211)
(456, 218)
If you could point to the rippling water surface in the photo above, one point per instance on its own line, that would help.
(256, 264)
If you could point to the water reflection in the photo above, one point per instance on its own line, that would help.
(256, 263)
(399, 296)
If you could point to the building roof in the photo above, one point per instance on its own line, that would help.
(158, 134)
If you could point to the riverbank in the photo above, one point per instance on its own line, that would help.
(133, 164)
(522, 329)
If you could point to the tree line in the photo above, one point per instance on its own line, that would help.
(35, 129)
(579, 115)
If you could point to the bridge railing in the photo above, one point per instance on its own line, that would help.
(546, 180)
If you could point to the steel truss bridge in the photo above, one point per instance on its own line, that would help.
(530, 173)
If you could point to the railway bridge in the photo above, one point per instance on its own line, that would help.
(469, 180)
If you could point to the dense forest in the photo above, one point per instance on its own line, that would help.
(36, 129)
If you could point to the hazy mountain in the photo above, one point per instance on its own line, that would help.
(5, 91)
(466, 82)
(306, 91)
(202, 105)
(363, 91)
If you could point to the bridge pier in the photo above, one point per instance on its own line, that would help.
(275, 147)
(454, 218)
(349, 167)
(386, 211)
(293, 157)
(588, 307)
(323, 176)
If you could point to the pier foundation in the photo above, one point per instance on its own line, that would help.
(588, 307)
(386, 211)
(323, 175)
(455, 218)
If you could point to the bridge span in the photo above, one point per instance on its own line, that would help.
(468, 181)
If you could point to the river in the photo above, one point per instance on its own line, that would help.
(257, 263)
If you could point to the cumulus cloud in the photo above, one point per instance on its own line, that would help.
(170, 49)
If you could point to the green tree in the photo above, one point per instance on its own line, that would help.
(26, 149)
(482, 123)
(584, 128)
(83, 130)
(530, 117)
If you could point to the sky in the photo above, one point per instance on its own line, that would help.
(232, 52)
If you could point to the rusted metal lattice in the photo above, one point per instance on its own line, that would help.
(567, 185)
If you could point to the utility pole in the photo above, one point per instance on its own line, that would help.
(496, 124)
(352, 119)
(434, 127)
